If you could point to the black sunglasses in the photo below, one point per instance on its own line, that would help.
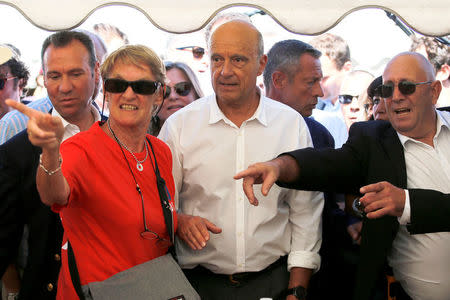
(142, 87)
(181, 88)
(4, 80)
(404, 86)
(346, 99)
(197, 52)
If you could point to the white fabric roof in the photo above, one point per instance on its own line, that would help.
(429, 17)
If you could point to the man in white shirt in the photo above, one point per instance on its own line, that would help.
(402, 170)
(213, 138)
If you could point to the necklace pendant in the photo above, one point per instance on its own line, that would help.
(139, 167)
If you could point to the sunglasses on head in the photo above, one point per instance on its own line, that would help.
(197, 52)
(405, 87)
(346, 99)
(4, 80)
(181, 88)
(142, 87)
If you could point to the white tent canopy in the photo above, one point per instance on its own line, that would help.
(429, 17)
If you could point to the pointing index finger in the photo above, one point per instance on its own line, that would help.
(29, 112)
(375, 187)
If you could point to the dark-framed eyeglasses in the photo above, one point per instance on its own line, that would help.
(150, 234)
(4, 80)
(197, 52)
(142, 87)
(405, 87)
(181, 88)
(346, 99)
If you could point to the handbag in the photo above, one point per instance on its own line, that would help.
(160, 278)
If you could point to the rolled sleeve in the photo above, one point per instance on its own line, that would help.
(305, 217)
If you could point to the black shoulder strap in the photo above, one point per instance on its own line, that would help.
(73, 270)
(164, 196)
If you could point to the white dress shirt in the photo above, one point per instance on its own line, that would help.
(421, 262)
(72, 129)
(208, 150)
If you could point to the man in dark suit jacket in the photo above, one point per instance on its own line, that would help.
(373, 162)
(64, 54)
(21, 205)
(292, 76)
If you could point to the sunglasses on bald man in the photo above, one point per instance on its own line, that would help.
(142, 87)
(405, 87)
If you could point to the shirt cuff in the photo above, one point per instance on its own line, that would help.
(405, 218)
(304, 259)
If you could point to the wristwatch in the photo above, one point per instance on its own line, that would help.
(298, 291)
(12, 296)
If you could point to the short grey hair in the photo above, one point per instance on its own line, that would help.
(284, 56)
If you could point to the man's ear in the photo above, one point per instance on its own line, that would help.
(279, 80)
(262, 64)
(444, 73)
(347, 67)
(436, 87)
(20, 86)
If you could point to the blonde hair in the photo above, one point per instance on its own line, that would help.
(136, 55)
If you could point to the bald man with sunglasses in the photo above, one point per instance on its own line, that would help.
(401, 169)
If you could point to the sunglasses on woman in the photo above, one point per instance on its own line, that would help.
(405, 87)
(4, 80)
(197, 52)
(142, 87)
(346, 99)
(181, 88)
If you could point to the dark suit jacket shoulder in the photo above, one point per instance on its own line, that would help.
(430, 211)
(18, 161)
(321, 137)
(20, 205)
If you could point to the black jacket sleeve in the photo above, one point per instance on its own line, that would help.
(430, 211)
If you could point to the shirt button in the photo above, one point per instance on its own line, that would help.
(57, 257)
(50, 287)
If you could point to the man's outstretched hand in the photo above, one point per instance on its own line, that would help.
(44, 130)
(266, 173)
(382, 199)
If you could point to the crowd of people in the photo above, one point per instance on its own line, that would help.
(129, 157)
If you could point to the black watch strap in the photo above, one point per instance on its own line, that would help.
(298, 291)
